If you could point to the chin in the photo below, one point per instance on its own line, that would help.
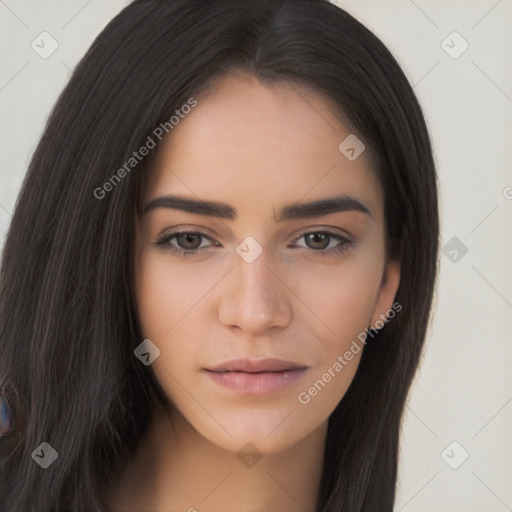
(271, 431)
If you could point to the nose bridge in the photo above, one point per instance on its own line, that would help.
(254, 280)
(255, 299)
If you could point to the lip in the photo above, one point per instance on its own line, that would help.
(256, 366)
(256, 377)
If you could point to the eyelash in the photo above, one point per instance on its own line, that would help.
(165, 239)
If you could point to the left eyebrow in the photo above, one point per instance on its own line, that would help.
(313, 209)
(323, 207)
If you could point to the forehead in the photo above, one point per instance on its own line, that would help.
(258, 146)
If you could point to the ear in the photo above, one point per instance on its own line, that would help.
(387, 293)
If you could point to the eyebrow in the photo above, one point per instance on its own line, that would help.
(225, 211)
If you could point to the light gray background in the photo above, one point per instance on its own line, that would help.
(462, 392)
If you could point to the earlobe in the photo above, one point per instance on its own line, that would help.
(384, 309)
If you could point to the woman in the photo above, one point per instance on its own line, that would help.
(219, 273)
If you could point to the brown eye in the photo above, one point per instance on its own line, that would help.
(188, 241)
(317, 240)
(324, 242)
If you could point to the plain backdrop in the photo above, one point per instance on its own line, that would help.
(456, 443)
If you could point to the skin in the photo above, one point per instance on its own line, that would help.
(257, 148)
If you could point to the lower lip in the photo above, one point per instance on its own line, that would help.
(256, 383)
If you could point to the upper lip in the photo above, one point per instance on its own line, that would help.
(256, 366)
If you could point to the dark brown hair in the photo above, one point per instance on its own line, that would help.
(68, 325)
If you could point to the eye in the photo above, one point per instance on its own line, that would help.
(322, 242)
(192, 243)
(185, 243)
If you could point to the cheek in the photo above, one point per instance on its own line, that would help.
(340, 298)
(172, 314)
(165, 298)
(166, 292)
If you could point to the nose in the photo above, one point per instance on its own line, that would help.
(255, 297)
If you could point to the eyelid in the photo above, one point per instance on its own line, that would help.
(200, 230)
(166, 236)
(329, 230)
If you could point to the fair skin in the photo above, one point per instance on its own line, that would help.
(257, 148)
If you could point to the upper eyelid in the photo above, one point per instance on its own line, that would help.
(328, 231)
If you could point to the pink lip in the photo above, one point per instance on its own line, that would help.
(256, 366)
(256, 377)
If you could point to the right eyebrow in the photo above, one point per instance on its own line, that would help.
(207, 208)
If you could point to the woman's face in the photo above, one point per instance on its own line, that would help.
(254, 320)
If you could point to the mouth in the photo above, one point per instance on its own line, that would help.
(256, 366)
(256, 377)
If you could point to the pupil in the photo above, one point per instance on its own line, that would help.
(189, 238)
(317, 237)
